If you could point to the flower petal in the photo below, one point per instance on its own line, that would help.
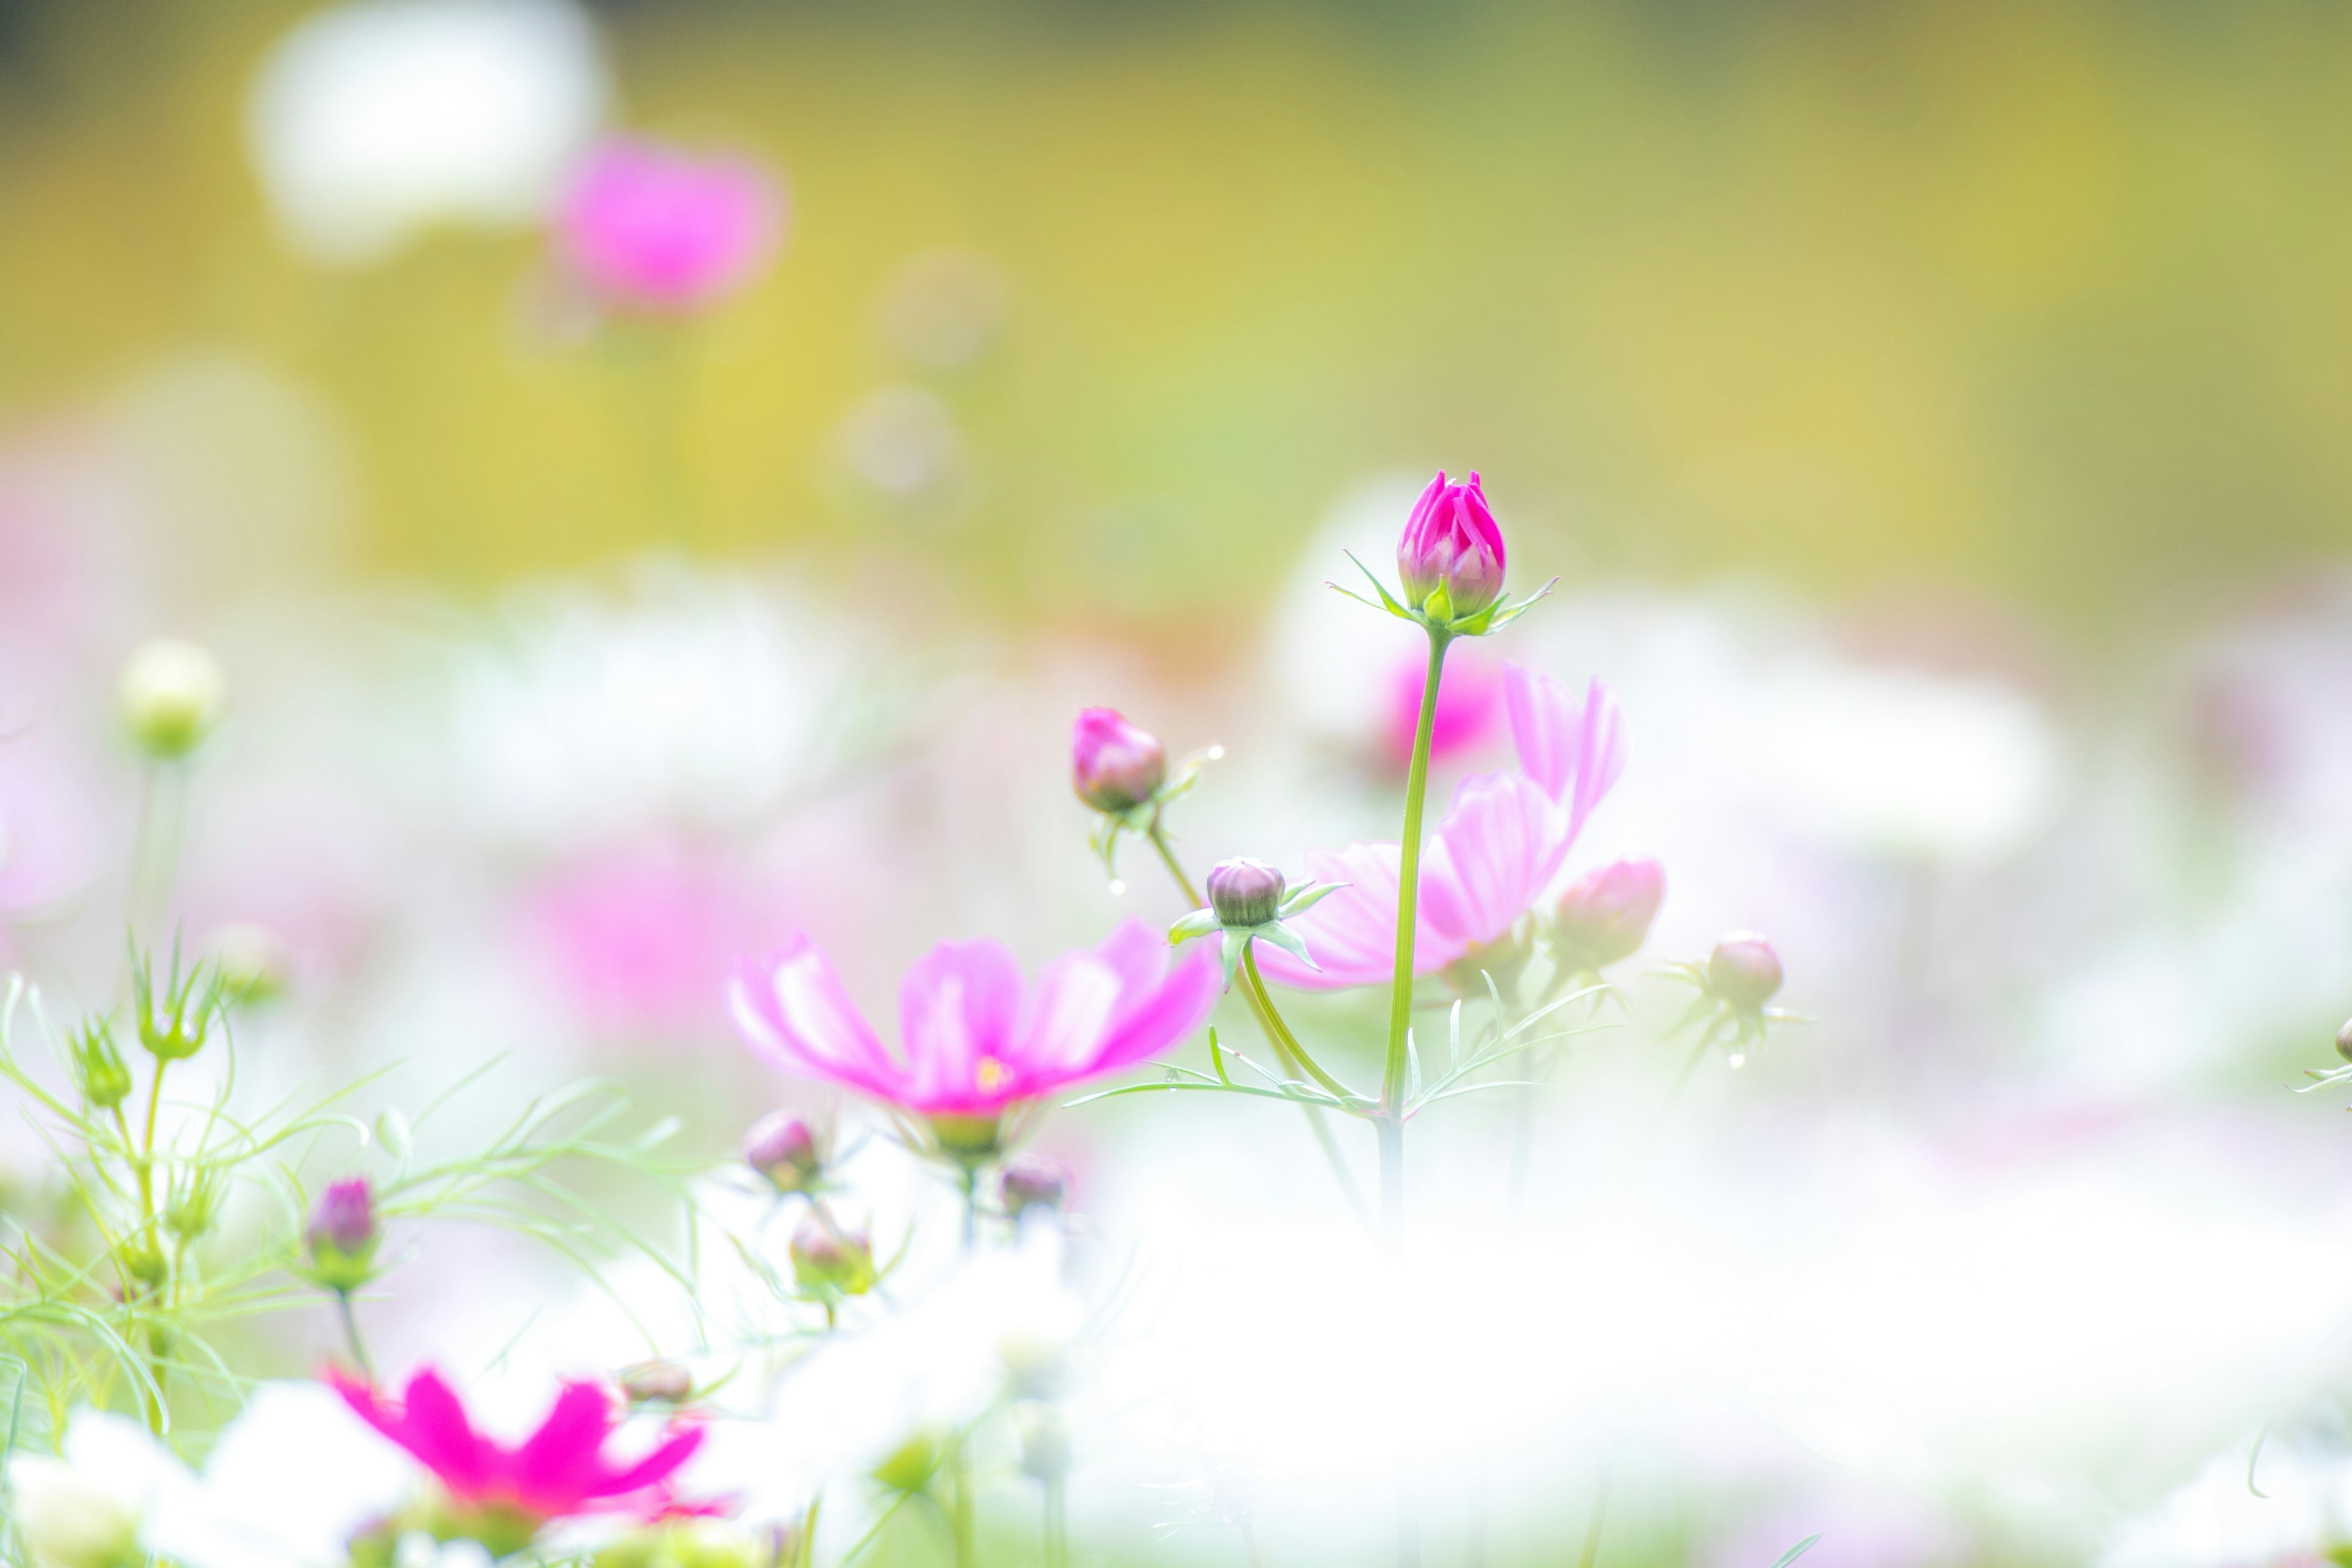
(1352, 933)
(558, 1466)
(1576, 751)
(1502, 841)
(959, 1005)
(794, 1011)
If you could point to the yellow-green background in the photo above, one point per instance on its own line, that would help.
(2046, 298)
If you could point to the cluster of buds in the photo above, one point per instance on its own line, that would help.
(343, 1236)
(1741, 974)
(1249, 901)
(782, 1151)
(1604, 916)
(171, 696)
(1120, 771)
(1450, 562)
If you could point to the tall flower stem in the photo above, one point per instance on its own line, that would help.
(351, 1335)
(163, 805)
(965, 1524)
(1057, 1524)
(1261, 1006)
(1393, 1077)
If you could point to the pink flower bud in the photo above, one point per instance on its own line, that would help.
(830, 1257)
(2344, 1041)
(1032, 1182)
(1743, 971)
(1113, 764)
(1605, 914)
(1451, 542)
(342, 1235)
(657, 1382)
(780, 1148)
(1245, 892)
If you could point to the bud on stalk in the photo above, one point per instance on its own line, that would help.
(343, 1236)
(1114, 765)
(172, 695)
(781, 1147)
(826, 1257)
(1451, 543)
(1605, 914)
(1245, 892)
(1743, 971)
(1032, 1182)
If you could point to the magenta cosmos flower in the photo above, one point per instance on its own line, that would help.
(559, 1471)
(651, 227)
(973, 1045)
(1500, 844)
(1451, 541)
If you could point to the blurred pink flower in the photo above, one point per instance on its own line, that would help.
(972, 1043)
(648, 225)
(559, 1471)
(1452, 538)
(51, 838)
(644, 939)
(1469, 699)
(1490, 859)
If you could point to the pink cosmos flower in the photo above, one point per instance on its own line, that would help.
(1469, 701)
(972, 1043)
(1499, 845)
(559, 1471)
(1451, 539)
(647, 226)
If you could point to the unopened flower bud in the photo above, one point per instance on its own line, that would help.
(1245, 892)
(1743, 971)
(909, 1467)
(1032, 1182)
(171, 694)
(1113, 764)
(99, 1069)
(1605, 914)
(2344, 1041)
(781, 1147)
(343, 1236)
(829, 1258)
(1451, 542)
(656, 1382)
(1044, 1440)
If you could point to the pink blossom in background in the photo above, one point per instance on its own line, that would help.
(644, 939)
(1469, 701)
(559, 1471)
(51, 840)
(1498, 846)
(972, 1043)
(650, 227)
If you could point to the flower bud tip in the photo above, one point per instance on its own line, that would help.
(1743, 971)
(1114, 765)
(1245, 892)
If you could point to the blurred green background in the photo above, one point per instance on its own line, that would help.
(2049, 300)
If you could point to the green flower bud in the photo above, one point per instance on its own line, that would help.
(831, 1260)
(910, 1466)
(99, 1069)
(172, 695)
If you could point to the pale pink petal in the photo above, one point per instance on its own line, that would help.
(1500, 844)
(1078, 997)
(1139, 955)
(959, 1005)
(1575, 750)
(794, 1011)
(1352, 932)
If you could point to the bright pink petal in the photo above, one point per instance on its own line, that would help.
(1491, 858)
(794, 1011)
(1161, 1017)
(657, 1467)
(557, 1467)
(958, 1008)
(1575, 750)
(434, 1428)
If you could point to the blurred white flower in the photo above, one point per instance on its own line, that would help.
(375, 118)
(903, 441)
(2220, 1521)
(1895, 761)
(84, 1510)
(687, 700)
(291, 1480)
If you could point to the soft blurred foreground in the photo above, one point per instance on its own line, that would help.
(661, 480)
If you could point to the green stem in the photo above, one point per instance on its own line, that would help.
(156, 846)
(1261, 1006)
(970, 1206)
(1286, 1043)
(1057, 1524)
(1392, 1077)
(351, 1335)
(1591, 1552)
(966, 1552)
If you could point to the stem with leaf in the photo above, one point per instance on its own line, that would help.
(1393, 1077)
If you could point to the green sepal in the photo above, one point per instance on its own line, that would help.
(1199, 923)
(1236, 943)
(1388, 601)
(1289, 940)
(1302, 899)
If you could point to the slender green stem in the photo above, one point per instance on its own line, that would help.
(1249, 1544)
(1284, 1041)
(970, 1206)
(1057, 1524)
(1591, 1552)
(1393, 1077)
(874, 1529)
(156, 846)
(966, 1531)
(1262, 1011)
(352, 1336)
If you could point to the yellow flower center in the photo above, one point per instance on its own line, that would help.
(989, 1075)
